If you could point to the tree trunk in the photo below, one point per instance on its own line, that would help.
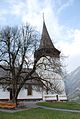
(13, 97)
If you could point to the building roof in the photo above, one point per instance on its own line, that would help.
(45, 39)
(46, 47)
(5, 79)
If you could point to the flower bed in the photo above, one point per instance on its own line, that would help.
(8, 105)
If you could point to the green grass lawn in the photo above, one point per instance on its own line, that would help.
(63, 105)
(39, 114)
(45, 114)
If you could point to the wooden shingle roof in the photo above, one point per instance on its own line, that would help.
(45, 39)
(46, 47)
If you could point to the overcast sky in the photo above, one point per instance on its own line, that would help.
(62, 19)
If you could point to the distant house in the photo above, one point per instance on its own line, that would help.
(30, 91)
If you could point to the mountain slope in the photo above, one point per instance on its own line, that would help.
(72, 84)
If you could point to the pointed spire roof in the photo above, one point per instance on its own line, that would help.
(45, 38)
(46, 47)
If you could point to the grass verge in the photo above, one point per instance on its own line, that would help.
(63, 105)
(39, 114)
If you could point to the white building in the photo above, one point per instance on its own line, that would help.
(46, 49)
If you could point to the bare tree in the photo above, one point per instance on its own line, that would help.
(17, 47)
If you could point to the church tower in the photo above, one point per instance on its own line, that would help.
(45, 56)
(46, 47)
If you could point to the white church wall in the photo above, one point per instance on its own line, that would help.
(35, 95)
(49, 75)
(4, 94)
(24, 95)
(39, 94)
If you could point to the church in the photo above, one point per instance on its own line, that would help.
(32, 91)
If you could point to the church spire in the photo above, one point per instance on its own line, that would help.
(43, 17)
(45, 38)
(46, 47)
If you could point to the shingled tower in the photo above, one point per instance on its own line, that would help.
(46, 47)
